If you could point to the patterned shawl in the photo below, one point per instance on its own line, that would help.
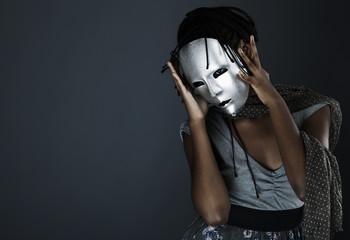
(323, 196)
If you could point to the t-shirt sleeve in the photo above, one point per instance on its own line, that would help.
(185, 127)
(301, 116)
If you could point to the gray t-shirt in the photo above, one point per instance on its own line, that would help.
(275, 191)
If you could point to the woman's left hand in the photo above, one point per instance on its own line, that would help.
(260, 79)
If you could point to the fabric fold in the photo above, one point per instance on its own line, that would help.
(323, 195)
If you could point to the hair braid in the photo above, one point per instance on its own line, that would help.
(226, 24)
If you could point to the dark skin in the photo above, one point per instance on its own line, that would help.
(272, 140)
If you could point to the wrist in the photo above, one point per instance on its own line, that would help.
(275, 102)
(197, 122)
(273, 98)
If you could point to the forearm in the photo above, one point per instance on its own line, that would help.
(289, 142)
(209, 192)
(287, 134)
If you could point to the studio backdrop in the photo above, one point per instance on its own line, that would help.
(90, 144)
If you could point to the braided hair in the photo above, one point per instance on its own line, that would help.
(228, 25)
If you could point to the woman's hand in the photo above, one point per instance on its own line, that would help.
(287, 134)
(260, 81)
(196, 105)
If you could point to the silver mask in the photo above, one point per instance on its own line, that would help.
(210, 71)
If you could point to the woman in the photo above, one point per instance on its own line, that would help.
(259, 154)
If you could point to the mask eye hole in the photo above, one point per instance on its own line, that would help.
(218, 72)
(197, 84)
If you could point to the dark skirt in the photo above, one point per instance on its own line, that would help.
(198, 229)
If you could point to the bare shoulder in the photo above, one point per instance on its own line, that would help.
(318, 125)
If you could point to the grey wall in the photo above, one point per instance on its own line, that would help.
(90, 147)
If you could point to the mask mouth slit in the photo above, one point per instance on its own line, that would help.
(224, 103)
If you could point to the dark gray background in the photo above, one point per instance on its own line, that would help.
(90, 147)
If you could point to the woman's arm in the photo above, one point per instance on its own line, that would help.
(290, 143)
(289, 140)
(209, 193)
(208, 189)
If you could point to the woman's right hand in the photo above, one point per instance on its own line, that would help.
(196, 105)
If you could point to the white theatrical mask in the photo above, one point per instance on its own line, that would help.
(210, 71)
